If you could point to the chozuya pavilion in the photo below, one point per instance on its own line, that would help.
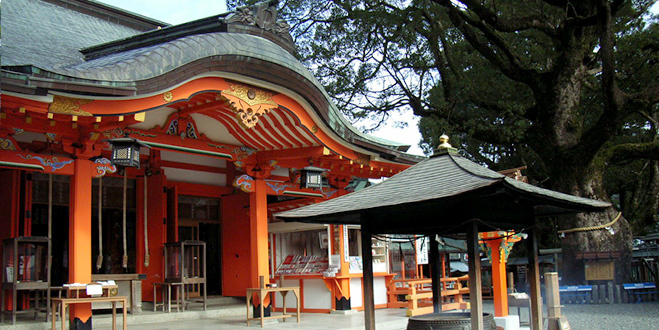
(226, 121)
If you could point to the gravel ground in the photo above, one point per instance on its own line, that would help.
(643, 316)
(616, 316)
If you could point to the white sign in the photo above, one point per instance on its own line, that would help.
(422, 251)
(346, 246)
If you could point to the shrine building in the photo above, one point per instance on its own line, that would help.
(227, 127)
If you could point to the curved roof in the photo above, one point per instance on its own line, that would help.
(440, 192)
(153, 60)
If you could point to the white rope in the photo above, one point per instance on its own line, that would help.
(124, 261)
(99, 258)
(146, 229)
(50, 206)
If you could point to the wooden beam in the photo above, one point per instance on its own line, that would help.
(475, 290)
(369, 298)
(534, 281)
(433, 255)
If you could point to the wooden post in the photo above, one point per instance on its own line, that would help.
(475, 290)
(369, 298)
(534, 281)
(433, 254)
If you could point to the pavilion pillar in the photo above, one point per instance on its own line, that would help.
(80, 239)
(258, 226)
(475, 290)
(369, 298)
(433, 255)
(534, 281)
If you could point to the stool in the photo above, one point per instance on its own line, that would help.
(166, 288)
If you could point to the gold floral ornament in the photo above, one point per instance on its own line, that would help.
(249, 103)
(168, 96)
(68, 106)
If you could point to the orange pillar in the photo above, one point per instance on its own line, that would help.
(80, 239)
(258, 228)
(258, 218)
(342, 291)
(499, 287)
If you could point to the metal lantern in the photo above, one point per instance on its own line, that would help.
(126, 151)
(311, 177)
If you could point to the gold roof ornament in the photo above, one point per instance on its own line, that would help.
(443, 142)
(444, 147)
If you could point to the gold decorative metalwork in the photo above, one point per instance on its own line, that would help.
(68, 106)
(168, 96)
(314, 129)
(7, 144)
(249, 103)
(363, 159)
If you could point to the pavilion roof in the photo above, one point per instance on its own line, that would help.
(437, 194)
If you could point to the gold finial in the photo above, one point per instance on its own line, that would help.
(443, 142)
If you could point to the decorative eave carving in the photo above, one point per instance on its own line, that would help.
(68, 106)
(263, 15)
(249, 103)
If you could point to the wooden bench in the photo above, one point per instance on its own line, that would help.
(640, 290)
(581, 294)
(167, 296)
(65, 302)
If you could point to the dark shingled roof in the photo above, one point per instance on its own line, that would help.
(441, 190)
(50, 36)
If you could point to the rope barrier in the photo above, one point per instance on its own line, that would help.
(591, 228)
(124, 261)
(147, 255)
(99, 258)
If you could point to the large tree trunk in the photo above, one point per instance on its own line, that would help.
(586, 181)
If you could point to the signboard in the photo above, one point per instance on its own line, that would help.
(600, 270)
(422, 251)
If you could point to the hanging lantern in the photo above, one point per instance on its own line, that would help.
(311, 177)
(126, 151)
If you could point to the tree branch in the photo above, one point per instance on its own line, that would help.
(630, 151)
(510, 66)
(502, 24)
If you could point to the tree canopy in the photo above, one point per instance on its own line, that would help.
(568, 88)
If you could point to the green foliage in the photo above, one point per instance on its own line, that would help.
(531, 82)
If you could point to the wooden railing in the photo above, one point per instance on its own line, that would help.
(418, 294)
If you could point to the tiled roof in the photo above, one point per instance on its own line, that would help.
(438, 178)
(49, 36)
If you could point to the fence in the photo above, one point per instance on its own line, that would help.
(417, 295)
(609, 293)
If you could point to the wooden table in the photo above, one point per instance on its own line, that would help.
(73, 291)
(263, 292)
(64, 302)
(134, 282)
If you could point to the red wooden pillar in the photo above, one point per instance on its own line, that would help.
(80, 239)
